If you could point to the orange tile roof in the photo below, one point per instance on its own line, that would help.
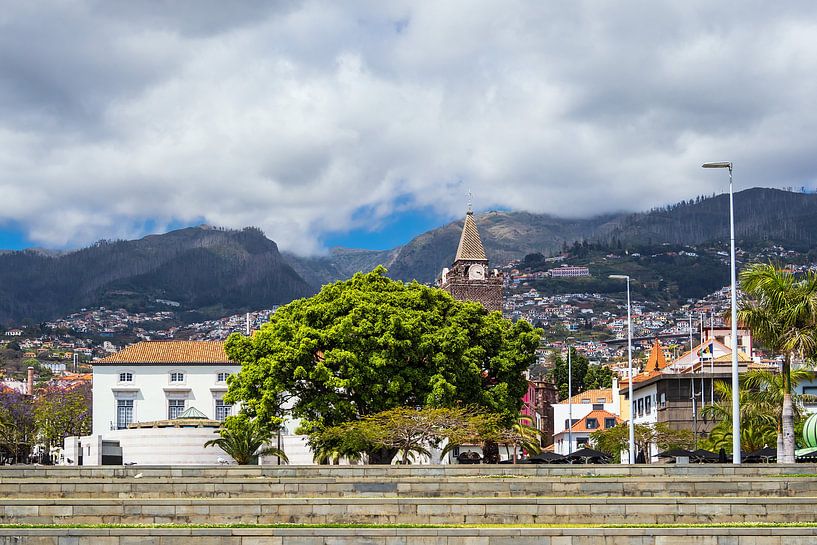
(657, 360)
(159, 352)
(581, 425)
(593, 396)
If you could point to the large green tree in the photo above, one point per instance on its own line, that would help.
(585, 375)
(781, 310)
(369, 344)
(614, 440)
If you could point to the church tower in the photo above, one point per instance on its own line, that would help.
(469, 278)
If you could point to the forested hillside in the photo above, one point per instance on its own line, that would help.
(213, 272)
(208, 271)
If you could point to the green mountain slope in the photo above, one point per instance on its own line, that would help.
(208, 271)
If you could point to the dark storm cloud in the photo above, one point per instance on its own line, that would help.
(295, 115)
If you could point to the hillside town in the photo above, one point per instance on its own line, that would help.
(668, 343)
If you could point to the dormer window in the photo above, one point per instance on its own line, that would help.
(126, 376)
(176, 376)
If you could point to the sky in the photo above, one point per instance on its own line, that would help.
(365, 123)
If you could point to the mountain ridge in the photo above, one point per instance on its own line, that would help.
(212, 271)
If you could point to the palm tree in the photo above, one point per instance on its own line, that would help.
(522, 434)
(781, 311)
(761, 403)
(243, 439)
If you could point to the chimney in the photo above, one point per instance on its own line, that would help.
(30, 382)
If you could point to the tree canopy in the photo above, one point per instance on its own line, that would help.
(585, 375)
(243, 439)
(369, 344)
(614, 440)
(781, 310)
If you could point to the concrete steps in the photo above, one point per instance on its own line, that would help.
(427, 511)
(410, 536)
(450, 481)
(430, 495)
(340, 488)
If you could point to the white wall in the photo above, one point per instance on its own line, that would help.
(151, 389)
(642, 394)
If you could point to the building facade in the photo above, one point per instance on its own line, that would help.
(156, 402)
(567, 271)
(538, 405)
(605, 400)
(158, 380)
(469, 278)
(677, 392)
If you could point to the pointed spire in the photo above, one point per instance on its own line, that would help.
(657, 360)
(470, 248)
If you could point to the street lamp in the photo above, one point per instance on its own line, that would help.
(735, 382)
(629, 365)
(569, 401)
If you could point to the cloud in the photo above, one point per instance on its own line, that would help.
(118, 118)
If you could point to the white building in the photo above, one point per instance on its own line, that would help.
(567, 271)
(595, 420)
(158, 380)
(581, 405)
(138, 395)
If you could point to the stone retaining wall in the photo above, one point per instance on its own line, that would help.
(498, 481)
(412, 536)
(443, 511)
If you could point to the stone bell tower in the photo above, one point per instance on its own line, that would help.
(469, 278)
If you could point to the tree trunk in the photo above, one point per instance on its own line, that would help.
(788, 431)
(490, 453)
(381, 456)
(787, 420)
(779, 444)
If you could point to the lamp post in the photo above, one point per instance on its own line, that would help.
(629, 366)
(735, 381)
(569, 401)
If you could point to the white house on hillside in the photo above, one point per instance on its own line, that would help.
(606, 400)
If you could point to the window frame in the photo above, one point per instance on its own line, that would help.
(125, 403)
(124, 373)
(173, 372)
(223, 405)
(171, 404)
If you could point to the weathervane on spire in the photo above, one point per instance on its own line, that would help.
(469, 195)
